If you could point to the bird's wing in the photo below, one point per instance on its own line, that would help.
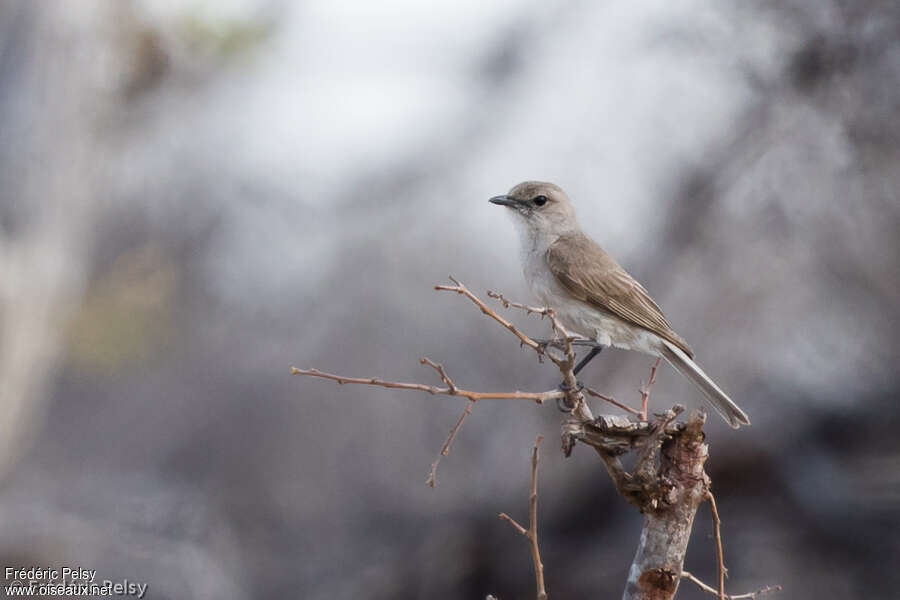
(593, 276)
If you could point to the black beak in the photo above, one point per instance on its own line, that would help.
(503, 201)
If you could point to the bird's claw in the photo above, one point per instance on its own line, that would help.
(563, 403)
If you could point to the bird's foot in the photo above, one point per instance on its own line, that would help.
(563, 403)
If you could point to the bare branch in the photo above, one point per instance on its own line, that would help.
(613, 401)
(450, 390)
(720, 556)
(441, 372)
(563, 335)
(532, 525)
(566, 364)
(750, 596)
(514, 523)
(538, 397)
(540, 310)
(532, 533)
(645, 389)
(445, 450)
(459, 288)
(559, 330)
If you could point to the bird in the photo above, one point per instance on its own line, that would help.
(591, 294)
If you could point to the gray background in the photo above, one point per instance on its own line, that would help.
(198, 195)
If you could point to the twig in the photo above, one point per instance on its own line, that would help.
(544, 312)
(645, 389)
(613, 401)
(717, 530)
(463, 290)
(538, 397)
(445, 450)
(514, 523)
(750, 596)
(532, 533)
(540, 310)
(558, 328)
(441, 372)
(450, 390)
(566, 364)
(532, 524)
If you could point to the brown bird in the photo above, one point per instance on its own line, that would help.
(592, 294)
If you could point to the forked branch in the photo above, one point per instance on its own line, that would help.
(532, 533)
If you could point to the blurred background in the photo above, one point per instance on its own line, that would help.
(197, 195)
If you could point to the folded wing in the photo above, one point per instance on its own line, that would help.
(590, 274)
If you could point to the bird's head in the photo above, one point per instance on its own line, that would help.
(542, 207)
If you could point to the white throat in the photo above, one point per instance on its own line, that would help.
(532, 241)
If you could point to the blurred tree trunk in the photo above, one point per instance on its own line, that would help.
(63, 77)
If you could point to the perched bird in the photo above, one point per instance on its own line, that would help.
(592, 295)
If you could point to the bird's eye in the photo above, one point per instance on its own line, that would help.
(540, 200)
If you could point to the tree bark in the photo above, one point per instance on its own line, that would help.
(667, 486)
(656, 569)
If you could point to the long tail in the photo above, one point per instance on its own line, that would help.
(730, 411)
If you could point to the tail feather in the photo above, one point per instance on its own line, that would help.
(730, 411)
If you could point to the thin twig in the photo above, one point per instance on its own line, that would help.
(532, 524)
(461, 289)
(538, 397)
(565, 364)
(441, 372)
(558, 328)
(450, 390)
(717, 531)
(750, 596)
(613, 401)
(514, 523)
(540, 310)
(532, 533)
(445, 450)
(645, 389)
(544, 312)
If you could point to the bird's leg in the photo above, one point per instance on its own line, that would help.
(543, 344)
(562, 403)
(595, 350)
